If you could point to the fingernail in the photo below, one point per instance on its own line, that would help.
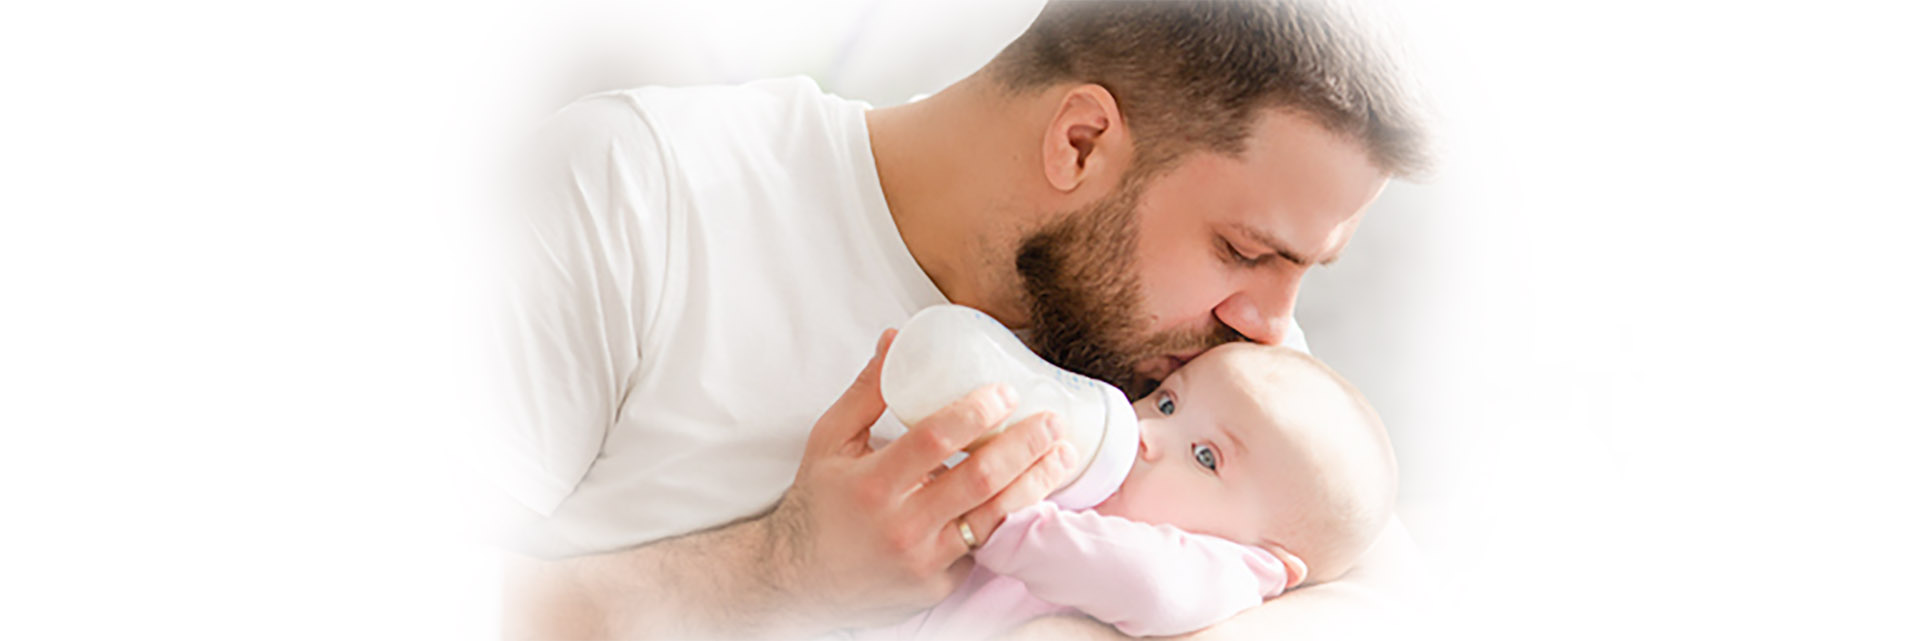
(1053, 426)
(1066, 456)
(1008, 396)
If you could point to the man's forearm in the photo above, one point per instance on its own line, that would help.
(721, 582)
(861, 538)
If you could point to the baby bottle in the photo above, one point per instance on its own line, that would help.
(946, 351)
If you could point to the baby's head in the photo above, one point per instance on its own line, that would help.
(1265, 446)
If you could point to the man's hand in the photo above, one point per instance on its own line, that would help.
(862, 537)
(865, 537)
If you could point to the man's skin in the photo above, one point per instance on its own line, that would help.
(865, 537)
(862, 537)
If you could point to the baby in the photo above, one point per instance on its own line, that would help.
(1259, 470)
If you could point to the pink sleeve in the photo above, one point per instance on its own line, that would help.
(1146, 580)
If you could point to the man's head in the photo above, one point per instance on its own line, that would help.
(1202, 155)
(1196, 74)
(1265, 446)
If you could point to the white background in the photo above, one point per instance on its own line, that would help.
(1645, 340)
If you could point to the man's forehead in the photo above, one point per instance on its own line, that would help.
(1298, 184)
(1298, 150)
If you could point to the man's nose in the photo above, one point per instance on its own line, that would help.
(1260, 314)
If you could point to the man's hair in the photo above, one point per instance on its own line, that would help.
(1194, 75)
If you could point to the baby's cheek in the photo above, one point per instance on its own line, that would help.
(1123, 499)
(1172, 498)
(1143, 497)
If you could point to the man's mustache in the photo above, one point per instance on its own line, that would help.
(1174, 342)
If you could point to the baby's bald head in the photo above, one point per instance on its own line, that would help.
(1330, 476)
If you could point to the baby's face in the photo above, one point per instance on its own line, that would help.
(1209, 456)
(1262, 446)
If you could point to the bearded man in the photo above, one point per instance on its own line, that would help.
(1127, 184)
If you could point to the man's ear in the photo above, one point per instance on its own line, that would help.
(1086, 140)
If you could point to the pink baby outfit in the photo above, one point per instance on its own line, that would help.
(1145, 580)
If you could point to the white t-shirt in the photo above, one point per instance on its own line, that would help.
(702, 271)
(707, 269)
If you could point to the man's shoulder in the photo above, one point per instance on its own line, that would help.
(715, 131)
(692, 108)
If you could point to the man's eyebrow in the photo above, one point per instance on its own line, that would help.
(1280, 248)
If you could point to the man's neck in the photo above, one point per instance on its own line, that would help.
(949, 166)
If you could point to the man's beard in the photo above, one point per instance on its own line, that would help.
(1084, 296)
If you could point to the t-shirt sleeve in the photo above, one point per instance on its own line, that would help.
(579, 281)
(1146, 580)
(1296, 338)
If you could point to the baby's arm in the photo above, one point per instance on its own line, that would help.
(1146, 580)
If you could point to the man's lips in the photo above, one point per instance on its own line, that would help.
(1163, 366)
(1183, 359)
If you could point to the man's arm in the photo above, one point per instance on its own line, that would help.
(862, 537)
(665, 589)
(1371, 601)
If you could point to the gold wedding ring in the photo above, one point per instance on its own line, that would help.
(966, 535)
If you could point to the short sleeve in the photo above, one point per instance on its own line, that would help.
(576, 273)
(1296, 338)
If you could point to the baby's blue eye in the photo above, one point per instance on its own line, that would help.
(1165, 404)
(1203, 453)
